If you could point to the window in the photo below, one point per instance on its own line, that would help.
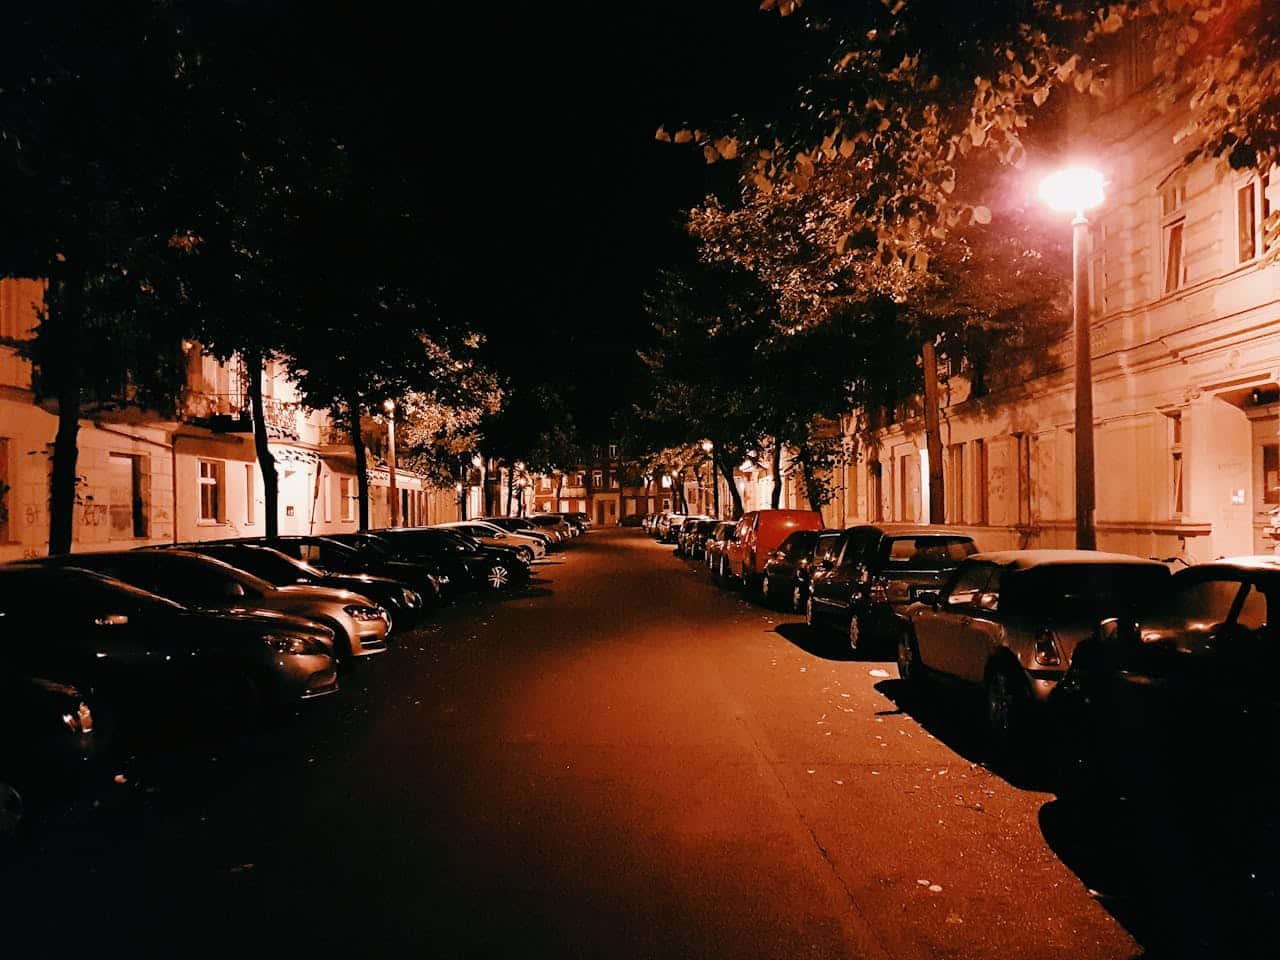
(1206, 602)
(981, 491)
(327, 493)
(1177, 495)
(1271, 473)
(968, 584)
(1253, 207)
(1173, 222)
(597, 478)
(613, 451)
(347, 494)
(211, 474)
(666, 482)
(875, 491)
(544, 483)
(250, 495)
(955, 484)
(1253, 613)
(6, 492)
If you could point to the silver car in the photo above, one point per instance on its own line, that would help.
(359, 626)
(1008, 623)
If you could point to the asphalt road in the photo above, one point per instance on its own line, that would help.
(623, 761)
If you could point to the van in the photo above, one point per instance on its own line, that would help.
(761, 532)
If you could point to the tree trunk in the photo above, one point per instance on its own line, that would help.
(775, 498)
(735, 495)
(362, 462)
(62, 473)
(933, 439)
(812, 490)
(262, 446)
(486, 490)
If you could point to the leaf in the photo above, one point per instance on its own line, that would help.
(662, 135)
(683, 136)
(846, 148)
(728, 147)
(1067, 67)
(981, 215)
(1040, 96)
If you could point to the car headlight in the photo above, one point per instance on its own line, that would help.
(364, 614)
(79, 720)
(411, 598)
(287, 643)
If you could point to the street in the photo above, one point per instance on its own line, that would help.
(622, 760)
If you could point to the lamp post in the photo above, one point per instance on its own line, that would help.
(707, 447)
(462, 501)
(1076, 190)
(521, 483)
(482, 465)
(393, 496)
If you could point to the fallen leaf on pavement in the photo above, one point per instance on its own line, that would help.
(935, 888)
(877, 672)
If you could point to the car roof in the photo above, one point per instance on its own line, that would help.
(909, 530)
(1028, 559)
(1260, 563)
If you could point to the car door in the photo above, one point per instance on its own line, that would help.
(822, 586)
(941, 631)
(973, 641)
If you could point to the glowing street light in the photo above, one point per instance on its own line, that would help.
(1077, 190)
(707, 447)
(392, 496)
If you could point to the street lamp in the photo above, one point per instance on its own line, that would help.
(522, 483)
(462, 503)
(390, 407)
(1076, 190)
(707, 447)
(482, 465)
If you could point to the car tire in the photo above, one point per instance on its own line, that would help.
(497, 577)
(797, 598)
(910, 669)
(1007, 708)
(856, 634)
(526, 555)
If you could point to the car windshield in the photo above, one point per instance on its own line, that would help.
(930, 552)
(89, 587)
(799, 544)
(1200, 604)
(1081, 591)
(270, 565)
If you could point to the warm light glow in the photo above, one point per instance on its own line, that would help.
(389, 406)
(1073, 190)
(477, 461)
(458, 486)
(707, 446)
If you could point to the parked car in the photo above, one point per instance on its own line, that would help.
(493, 568)
(202, 583)
(47, 731)
(579, 519)
(1008, 623)
(874, 573)
(544, 521)
(716, 552)
(335, 557)
(634, 520)
(145, 656)
(1173, 710)
(1188, 675)
(696, 535)
(529, 548)
(668, 527)
(522, 526)
(758, 534)
(683, 534)
(788, 569)
(449, 565)
(401, 601)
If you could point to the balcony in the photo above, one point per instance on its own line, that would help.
(230, 413)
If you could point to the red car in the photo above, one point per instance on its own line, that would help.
(761, 532)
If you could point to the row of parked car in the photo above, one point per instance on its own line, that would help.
(1130, 676)
(224, 633)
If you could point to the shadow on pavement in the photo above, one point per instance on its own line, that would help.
(817, 643)
(954, 717)
(1162, 871)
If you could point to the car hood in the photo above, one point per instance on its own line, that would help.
(305, 592)
(353, 582)
(257, 618)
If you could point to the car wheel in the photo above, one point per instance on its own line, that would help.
(10, 813)
(797, 598)
(498, 577)
(526, 555)
(1006, 711)
(909, 668)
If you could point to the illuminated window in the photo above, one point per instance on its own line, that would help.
(211, 482)
(597, 478)
(666, 482)
(1253, 207)
(1177, 496)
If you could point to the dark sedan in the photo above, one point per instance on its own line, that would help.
(402, 602)
(137, 650)
(874, 573)
(335, 557)
(494, 568)
(788, 569)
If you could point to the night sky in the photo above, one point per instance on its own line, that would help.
(533, 127)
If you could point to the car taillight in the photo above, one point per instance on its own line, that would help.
(1046, 649)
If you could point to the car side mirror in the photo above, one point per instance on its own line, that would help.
(111, 620)
(929, 598)
(232, 590)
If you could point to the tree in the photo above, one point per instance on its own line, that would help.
(87, 163)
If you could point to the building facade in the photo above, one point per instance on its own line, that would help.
(1185, 323)
(143, 480)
